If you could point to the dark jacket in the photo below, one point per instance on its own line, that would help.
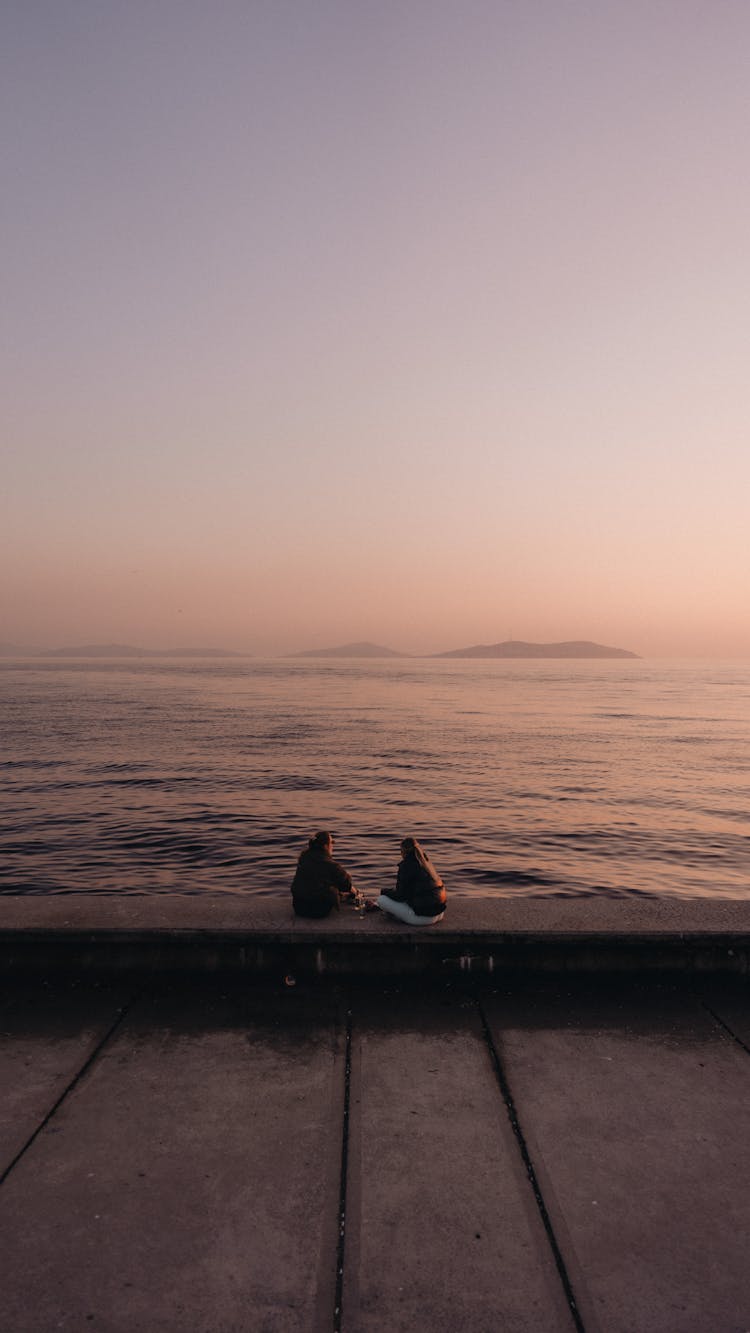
(415, 886)
(317, 883)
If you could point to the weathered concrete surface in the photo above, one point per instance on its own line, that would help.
(636, 1111)
(176, 913)
(223, 934)
(189, 1178)
(189, 1181)
(442, 1230)
(730, 1003)
(45, 1040)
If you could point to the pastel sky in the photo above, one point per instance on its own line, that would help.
(421, 322)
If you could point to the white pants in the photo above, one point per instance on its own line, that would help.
(406, 913)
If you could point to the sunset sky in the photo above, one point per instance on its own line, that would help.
(425, 323)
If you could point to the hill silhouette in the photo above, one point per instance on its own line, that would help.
(519, 648)
(352, 650)
(127, 650)
(16, 650)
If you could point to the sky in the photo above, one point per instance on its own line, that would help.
(421, 323)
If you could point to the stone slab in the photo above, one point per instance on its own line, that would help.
(442, 1230)
(190, 1180)
(731, 1004)
(46, 1037)
(636, 1110)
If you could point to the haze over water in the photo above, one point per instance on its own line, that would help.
(542, 778)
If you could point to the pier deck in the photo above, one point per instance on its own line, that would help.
(225, 1153)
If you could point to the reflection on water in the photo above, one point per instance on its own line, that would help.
(522, 778)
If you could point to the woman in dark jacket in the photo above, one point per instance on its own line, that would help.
(419, 896)
(320, 883)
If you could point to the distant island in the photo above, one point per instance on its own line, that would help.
(576, 648)
(127, 650)
(352, 650)
(15, 650)
(518, 648)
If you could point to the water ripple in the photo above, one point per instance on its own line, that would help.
(544, 780)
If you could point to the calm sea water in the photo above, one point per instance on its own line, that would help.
(522, 778)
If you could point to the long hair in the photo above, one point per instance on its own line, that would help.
(411, 845)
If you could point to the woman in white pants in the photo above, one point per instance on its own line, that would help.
(419, 896)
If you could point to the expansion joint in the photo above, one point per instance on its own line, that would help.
(530, 1172)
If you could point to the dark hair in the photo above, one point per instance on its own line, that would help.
(320, 841)
(410, 847)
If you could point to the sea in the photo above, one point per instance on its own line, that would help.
(615, 778)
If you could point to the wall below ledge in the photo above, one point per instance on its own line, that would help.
(167, 934)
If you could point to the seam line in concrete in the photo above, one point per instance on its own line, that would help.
(88, 1062)
(718, 1019)
(341, 1245)
(530, 1172)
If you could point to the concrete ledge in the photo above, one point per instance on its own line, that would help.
(261, 935)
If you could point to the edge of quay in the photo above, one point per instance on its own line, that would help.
(256, 935)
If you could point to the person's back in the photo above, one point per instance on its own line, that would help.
(319, 881)
(419, 897)
(418, 884)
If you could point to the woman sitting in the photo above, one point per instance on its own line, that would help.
(320, 884)
(419, 896)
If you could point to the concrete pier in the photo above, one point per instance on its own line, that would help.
(261, 936)
(223, 1156)
(202, 1147)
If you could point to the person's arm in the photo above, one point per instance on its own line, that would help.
(341, 879)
